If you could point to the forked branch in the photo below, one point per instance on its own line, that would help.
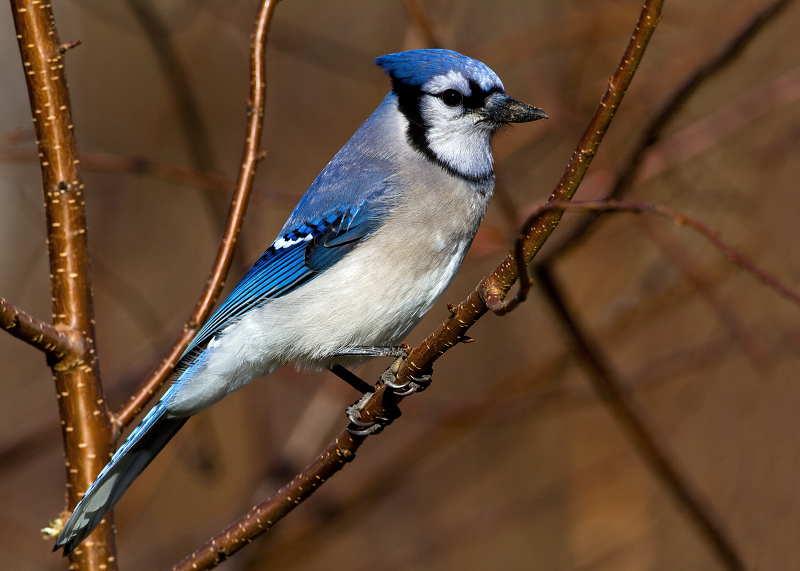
(502, 306)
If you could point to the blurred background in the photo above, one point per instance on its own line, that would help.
(509, 460)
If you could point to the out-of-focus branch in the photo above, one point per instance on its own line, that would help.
(343, 448)
(84, 416)
(636, 424)
(684, 260)
(140, 166)
(641, 207)
(222, 263)
(194, 129)
(56, 343)
(422, 20)
(669, 110)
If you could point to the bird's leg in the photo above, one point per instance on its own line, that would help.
(352, 379)
(371, 351)
(388, 378)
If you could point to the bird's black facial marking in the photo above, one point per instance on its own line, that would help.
(409, 98)
(477, 97)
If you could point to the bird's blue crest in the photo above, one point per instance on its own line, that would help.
(417, 67)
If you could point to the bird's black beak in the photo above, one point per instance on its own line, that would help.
(503, 109)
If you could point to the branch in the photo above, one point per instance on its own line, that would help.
(216, 281)
(670, 109)
(343, 448)
(494, 287)
(84, 415)
(140, 166)
(194, 129)
(56, 343)
(636, 424)
(637, 207)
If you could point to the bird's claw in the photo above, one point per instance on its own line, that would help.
(367, 428)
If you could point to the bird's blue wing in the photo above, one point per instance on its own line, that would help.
(296, 257)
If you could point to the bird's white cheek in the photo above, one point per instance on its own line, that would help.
(458, 140)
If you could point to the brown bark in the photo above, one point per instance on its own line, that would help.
(84, 415)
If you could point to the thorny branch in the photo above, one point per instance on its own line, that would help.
(85, 419)
(637, 425)
(342, 450)
(250, 158)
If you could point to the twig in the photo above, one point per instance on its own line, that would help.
(635, 422)
(644, 207)
(684, 260)
(343, 448)
(56, 343)
(222, 263)
(84, 416)
(669, 110)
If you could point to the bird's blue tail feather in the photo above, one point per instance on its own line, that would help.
(144, 443)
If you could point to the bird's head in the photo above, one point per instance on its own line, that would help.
(453, 105)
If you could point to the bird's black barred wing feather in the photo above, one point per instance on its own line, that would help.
(296, 257)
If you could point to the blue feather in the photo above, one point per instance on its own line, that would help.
(296, 257)
(416, 67)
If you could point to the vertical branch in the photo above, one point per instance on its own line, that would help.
(642, 434)
(84, 416)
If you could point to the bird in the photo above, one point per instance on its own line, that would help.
(368, 250)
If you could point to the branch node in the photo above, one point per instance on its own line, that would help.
(64, 48)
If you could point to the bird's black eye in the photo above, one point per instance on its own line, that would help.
(452, 98)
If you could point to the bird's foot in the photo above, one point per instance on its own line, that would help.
(368, 428)
(415, 385)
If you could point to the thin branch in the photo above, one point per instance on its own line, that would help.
(222, 263)
(84, 416)
(342, 450)
(670, 109)
(140, 166)
(194, 129)
(56, 343)
(684, 260)
(642, 207)
(637, 425)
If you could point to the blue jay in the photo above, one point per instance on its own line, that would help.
(369, 249)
